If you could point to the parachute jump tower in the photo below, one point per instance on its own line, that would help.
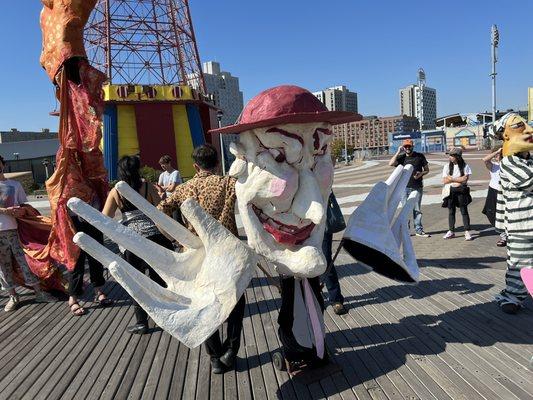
(155, 96)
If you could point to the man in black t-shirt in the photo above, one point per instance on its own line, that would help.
(406, 155)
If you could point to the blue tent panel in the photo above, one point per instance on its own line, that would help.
(111, 140)
(195, 124)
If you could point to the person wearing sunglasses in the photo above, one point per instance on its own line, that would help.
(406, 155)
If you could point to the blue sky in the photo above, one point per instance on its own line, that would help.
(373, 47)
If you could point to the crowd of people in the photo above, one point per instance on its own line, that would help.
(455, 191)
(216, 194)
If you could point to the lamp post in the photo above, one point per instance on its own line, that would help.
(346, 145)
(220, 114)
(495, 36)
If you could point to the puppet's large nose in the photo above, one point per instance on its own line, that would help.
(308, 200)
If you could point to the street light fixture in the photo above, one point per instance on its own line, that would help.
(16, 155)
(220, 114)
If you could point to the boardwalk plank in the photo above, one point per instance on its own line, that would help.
(442, 339)
(204, 376)
(60, 339)
(181, 366)
(167, 371)
(413, 374)
(103, 380)
(191, 377)
(90, 373)
(69, 367)
(155, 370)
(23, 340)
(486, 362)
(427, 356)
(135, 347)
(453, 363)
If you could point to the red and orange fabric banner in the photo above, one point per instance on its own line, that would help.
(34, 231)
(80, 170)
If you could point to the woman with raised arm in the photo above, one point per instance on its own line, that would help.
(492, 163)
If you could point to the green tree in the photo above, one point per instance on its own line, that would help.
(337, 148)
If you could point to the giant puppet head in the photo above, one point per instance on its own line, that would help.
(516, 134)
(284, 171)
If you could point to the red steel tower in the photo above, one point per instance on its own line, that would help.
(145, 42)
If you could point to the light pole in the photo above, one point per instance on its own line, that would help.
(220, 114)
(346, 144)
(495, 36)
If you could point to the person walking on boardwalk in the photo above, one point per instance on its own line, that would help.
(334, 223)
(406, 155)
(216, 195)
(455, 178)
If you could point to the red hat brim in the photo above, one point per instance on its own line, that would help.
(332, 117)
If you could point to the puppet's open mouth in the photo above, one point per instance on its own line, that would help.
(285, 234)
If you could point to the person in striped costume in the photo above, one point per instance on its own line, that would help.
(514, 211)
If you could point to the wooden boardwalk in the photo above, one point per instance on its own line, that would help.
(443, 339)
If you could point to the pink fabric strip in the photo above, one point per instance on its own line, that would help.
(527, 277)
(318, 334)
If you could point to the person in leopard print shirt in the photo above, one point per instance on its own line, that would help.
(216, 195)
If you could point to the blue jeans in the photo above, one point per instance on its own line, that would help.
(331, 279)
(417, 214)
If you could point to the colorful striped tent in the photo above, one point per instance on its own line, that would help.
(152, 121)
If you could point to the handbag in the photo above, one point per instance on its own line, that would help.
(467, 195)
(334, 218)
(445, 196)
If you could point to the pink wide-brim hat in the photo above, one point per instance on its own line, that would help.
(285, 104)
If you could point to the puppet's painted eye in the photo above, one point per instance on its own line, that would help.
(518, 125)
(278, 155)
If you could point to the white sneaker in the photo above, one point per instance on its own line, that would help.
(449, 235)
(43, 297)
(12, 303)
(468, 236)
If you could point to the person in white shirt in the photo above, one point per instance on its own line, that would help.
(169, 179)
(456, 175)
(492, 163)
(12, 196)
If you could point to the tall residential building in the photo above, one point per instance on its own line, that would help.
(420, 101)
(224, 90)
(338, 98)
(372, 133)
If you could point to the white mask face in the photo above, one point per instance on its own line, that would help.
(284, 176)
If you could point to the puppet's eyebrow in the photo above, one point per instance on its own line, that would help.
(316, 136)
(287, 134)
